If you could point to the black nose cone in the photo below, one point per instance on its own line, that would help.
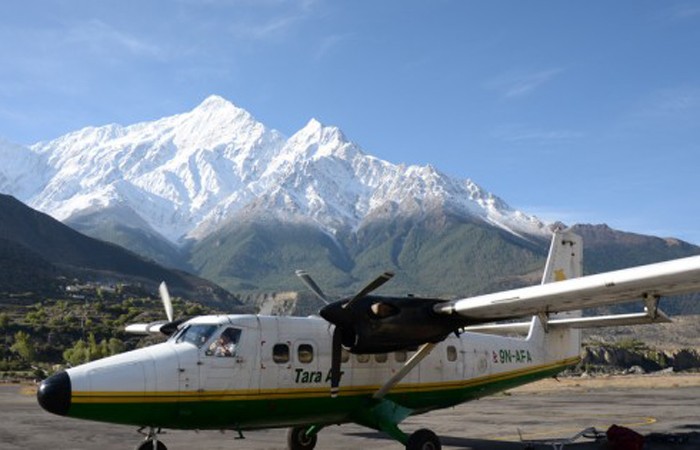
(54, 394)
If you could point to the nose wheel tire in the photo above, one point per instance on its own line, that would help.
(148, 444)
(297, 439)
(423, 439)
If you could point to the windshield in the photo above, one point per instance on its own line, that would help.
(195, 334)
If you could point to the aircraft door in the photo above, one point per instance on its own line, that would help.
(230, 361)
(188, 343)
(275, 357)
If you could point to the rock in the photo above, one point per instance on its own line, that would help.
(635, 370)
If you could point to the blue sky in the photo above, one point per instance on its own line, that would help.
(581, 111)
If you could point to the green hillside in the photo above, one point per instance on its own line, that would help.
(37, 250)
(454, 258)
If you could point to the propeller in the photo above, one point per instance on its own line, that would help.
(165, 327)
(376, 284)
(167, 303)
(311, 284)
(336, 355)
(341, 316)
(172, 325)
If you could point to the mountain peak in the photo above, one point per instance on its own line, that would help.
(322, 134)
(313, 124)
(215, 102)
(218, 107)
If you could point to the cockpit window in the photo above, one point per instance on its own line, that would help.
(225, 345)
(197, 335)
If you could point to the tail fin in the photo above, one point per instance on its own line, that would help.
(565, 260)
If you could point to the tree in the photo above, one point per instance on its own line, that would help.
(4, 321)
(115, 346)
(94, 349)
(78, 354)
(23, 346)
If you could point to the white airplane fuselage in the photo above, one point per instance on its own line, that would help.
(278, 375)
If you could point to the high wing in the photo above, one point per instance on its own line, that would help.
(680, 276)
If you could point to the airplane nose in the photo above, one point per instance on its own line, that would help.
(54, 394)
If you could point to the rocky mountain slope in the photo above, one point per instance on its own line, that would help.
(39, 254)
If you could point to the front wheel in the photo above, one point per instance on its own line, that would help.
(423, 439)
(297, 439)
(148, 444)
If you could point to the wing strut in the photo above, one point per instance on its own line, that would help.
(422, 352)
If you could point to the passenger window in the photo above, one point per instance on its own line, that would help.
(226, 344)
(400, 356)
(344, 355)
(380, 357)
(305, 353)
(363, 358)
(451, 353)
(280, 353)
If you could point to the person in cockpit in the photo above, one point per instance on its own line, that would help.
(226, 344)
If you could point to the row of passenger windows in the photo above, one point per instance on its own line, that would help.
(305, 354)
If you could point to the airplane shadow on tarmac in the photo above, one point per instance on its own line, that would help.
(482, 444)
(688, 439)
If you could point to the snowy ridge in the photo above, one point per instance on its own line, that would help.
(187, 174)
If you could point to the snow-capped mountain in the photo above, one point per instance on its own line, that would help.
(186, 175)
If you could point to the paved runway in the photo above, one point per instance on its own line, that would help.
(491, 423)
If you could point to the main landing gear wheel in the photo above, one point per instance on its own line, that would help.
(297, 439)
(423, 439)
(148, 444)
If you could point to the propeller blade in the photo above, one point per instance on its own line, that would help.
(167, 303)
(379, 281)
(336, 355)
(311, 284)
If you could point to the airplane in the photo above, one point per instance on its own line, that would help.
(371, 360)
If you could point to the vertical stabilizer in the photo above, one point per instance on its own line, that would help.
(565, 260)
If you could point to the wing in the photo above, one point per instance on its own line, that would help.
(679, 276)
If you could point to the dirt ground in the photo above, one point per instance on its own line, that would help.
(545, 410)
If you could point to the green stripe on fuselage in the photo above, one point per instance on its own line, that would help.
(288, 408)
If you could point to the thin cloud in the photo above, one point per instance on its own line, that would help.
(329, 43)
(687, 11)
(670, 102)
(520, 134)
(259, 25)
(520, 83)
(103, 39)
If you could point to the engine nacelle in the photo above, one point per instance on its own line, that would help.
(376, 324)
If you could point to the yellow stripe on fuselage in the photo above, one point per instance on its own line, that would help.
(276, 394)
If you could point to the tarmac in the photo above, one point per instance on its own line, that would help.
(663, 409)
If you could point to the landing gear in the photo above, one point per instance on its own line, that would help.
(151, 442)
(298, 438)
(423, 439)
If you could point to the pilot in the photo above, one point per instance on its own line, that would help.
(226, 344)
